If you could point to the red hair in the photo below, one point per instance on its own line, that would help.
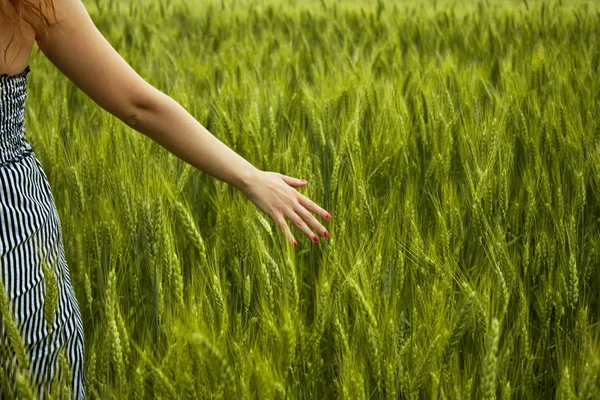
(38, 14)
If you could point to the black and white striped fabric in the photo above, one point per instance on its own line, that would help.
(29, 230)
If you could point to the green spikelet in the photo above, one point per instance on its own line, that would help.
(322, 307)
(91, 369)
(159, 218)
(356, 384)
(502, 284)
(531, 209)
(238, 358)
(88, 290)
(341, 340)
(265, 282)
(102, 363)
(67, 373)
(128, 213)
(263, 379)
(400, 272)
(167, 261)
(24, 388)
(561, 215)
(321, 135)
(208, 311)
(445, 234)
(461, 323)
(479, 220)
(264, 223)
(135, 283)
(387, 281)
(160, 297)
(7, 390)
(177, 277)
(14, 335)
(503, 199)
(184, 177)
(565, 389)
(247, 294)
(288, 346)
(563, 122)
(275, 271)
(376, 280)
(590, 384)
(191, 229)
(374, 354)
(524, 346)
(217, 361)
(139, 389)
(546, 193)
(426, 361)
(51, 300)
(573, 282)
(151, 229)
(116, 349)
(507, 391)
(366, 206)
(278, 391)
(124, 335)
(105, 237)
(580, 197)
(489, 365)
(363, 304)
(272, 123)
(293, 285)
(78, 191)
(538, 255)
(337, 162)
(390, 380)
(525, 256)
(221, 309)
(163, 384)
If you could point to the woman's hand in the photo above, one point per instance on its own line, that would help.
(274, 194)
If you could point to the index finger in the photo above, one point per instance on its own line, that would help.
(312, 206)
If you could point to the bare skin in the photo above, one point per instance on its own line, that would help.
(78, 49)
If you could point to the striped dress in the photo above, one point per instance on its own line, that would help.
(29, 231)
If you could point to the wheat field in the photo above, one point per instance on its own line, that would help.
(455, 144)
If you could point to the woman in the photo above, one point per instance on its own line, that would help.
(30, 229)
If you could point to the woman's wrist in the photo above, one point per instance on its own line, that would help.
(246, 177)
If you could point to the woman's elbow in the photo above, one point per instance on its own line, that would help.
(141, 102)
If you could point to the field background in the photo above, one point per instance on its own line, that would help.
(456, 147)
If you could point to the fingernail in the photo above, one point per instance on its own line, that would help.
(315, 239)
(326, 234)
(328, 216)
(295, 244)
(303, 180)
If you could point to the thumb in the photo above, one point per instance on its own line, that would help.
(294, 182)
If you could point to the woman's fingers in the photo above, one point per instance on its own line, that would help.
(286, 229)
(296, 209)
(294, 182)
(312, 206)
(311, 220)
(300, 224)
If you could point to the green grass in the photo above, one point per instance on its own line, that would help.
(456, 148)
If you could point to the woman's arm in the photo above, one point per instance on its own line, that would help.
(76, 47)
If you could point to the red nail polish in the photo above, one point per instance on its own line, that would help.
(326, 234)
(329, 216)
(316, 239)
(303, 180)
(295, 244)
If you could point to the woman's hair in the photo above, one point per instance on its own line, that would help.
(38, 14)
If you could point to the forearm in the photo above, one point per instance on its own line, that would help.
(166, 122)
